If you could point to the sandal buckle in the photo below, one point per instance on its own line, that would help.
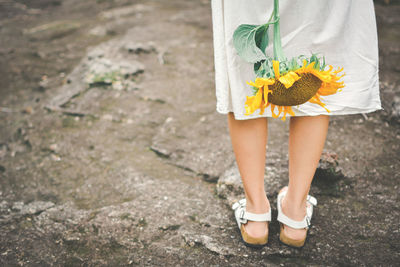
(308, 222)
(241, 216)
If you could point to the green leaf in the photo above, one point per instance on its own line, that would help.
(257, 65)
(293, 64)
(269, 70)
(314, 58)
(258, 70)
(323, 65)
(255, 90)
(244, 40)
(262, 38)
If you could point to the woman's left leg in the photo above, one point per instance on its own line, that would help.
(306, 142)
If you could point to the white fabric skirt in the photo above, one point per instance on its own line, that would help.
(344, 31)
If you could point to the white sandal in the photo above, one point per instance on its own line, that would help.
(304, 224)
(242, 216)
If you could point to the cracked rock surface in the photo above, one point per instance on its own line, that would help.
(112, 153)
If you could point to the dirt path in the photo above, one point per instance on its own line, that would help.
(112, 153)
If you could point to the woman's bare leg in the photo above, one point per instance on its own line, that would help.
(249, 141)
(306, 142)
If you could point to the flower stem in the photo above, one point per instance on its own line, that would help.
(278, 51)
(271, 17)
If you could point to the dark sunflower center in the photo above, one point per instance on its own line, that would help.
(300, 92)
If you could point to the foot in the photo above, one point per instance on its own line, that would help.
(295, 214)
(257, 229)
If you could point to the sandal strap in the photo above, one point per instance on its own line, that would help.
(312, 200)
(243, 215)
(258, 217)
(305, 223)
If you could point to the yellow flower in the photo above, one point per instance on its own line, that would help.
(294, 88)
(260, 100)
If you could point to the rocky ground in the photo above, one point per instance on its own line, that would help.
(112, 153)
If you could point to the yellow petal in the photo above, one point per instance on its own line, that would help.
(266, 92)
(257, 101)
(311, 65)
(272, 111)
(260, 82)
(275, 65)
(253, 102)
(262, 107)
(252, 84)
(304, 64)
(316, 100)
(289, 78)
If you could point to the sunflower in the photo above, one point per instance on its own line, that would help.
(295, 87)
(282, 83)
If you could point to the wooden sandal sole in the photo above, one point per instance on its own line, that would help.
(289, 241)
(254, 242)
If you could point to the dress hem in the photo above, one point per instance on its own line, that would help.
(332, 113)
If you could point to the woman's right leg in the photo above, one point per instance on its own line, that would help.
(249, 141)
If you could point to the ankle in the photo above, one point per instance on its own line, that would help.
(260, 206)
(294, 209)
(295, 201)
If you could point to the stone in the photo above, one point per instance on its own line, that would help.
(117, 13)
(52, 30)
(17, 206)
(396, 107)
(138, 48)
(176, 141)
(229, 185)
(98, 31)
(4, 207)
(207, 242)
(35, 207)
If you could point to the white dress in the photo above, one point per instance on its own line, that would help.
(344, 31)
